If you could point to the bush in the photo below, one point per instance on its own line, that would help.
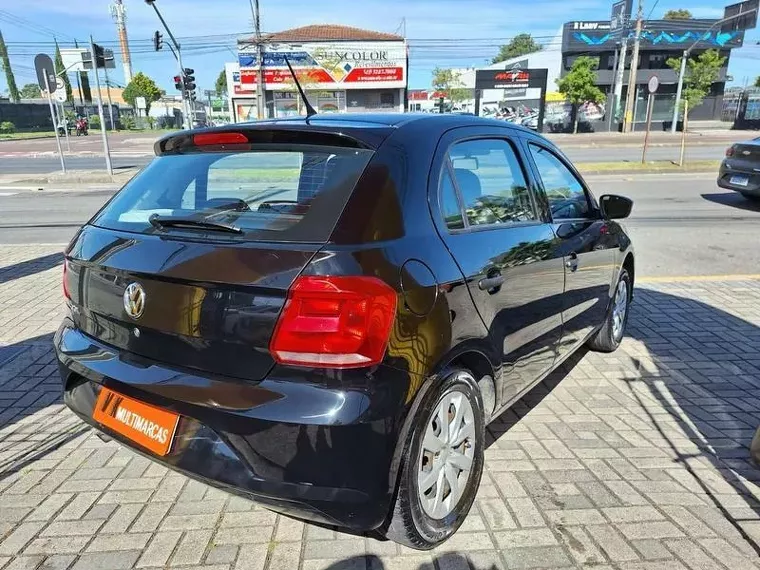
(7, 127)
(94, 121)
(128, 122)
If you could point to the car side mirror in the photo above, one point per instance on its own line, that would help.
(615, 207)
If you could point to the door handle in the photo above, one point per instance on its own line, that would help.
(491, 284)
(572, 261)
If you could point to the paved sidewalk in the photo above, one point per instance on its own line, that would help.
(636, 460)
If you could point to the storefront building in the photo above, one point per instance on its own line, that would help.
(342, 69)
(660, 41)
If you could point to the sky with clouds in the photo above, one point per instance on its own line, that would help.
(220, 19)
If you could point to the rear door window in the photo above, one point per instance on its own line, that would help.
(294, 193)
(491, 182)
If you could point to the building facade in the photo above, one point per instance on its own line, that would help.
(660, 41)
(342, 69)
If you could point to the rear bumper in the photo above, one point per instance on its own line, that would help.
(312, 451)
(753, 179)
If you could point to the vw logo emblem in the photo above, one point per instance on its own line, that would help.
(134, 300)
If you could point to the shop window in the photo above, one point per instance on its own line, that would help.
(386, 99)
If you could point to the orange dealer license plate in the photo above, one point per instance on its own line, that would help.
(146, 425)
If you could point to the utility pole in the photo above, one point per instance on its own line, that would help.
(106, 149)
(178, 56)
(619, 75)
(260, 95)
(631, 95)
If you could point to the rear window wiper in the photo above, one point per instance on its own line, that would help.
(163, 222)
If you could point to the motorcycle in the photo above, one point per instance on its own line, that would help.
(82, 127)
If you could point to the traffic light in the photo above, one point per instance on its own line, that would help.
(100, 56)
(189, 79)
(158, 41)
(178, 82)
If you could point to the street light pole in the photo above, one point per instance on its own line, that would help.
(685, 56)
(178, 55)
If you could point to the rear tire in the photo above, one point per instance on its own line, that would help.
(419, 519)
(609, 337)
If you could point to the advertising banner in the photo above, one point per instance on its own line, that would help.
(328, 64)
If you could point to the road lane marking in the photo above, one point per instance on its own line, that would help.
(694, 278)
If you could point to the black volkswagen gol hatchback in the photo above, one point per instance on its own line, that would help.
(324, 314)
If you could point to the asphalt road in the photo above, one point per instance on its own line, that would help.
(681, 224)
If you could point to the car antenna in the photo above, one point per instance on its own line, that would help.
(310, 112)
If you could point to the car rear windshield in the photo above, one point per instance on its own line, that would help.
(272, 192)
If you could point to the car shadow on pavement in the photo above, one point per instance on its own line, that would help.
(452, 561)
(29, 386)
(30, 267)
(701, 364)
(733, 199)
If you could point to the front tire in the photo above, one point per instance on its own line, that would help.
(609, 337)
(444, 463)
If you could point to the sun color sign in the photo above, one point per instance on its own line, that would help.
(351, 65)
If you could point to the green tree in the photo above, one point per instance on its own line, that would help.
(680, 14)
(757, 81)
(30, 91)
(221, 83)
(579, 85)
(141, 86)
(701, 73)
(450, 82)
(5, 63)
(521, 44)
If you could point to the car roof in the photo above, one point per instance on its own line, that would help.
(395, 120)
(365, 129)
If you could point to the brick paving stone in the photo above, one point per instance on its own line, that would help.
(524, 538)
(632, 514)
(16, 540)
(57, 545)
(526, 512)
(538, 557)
(107, 561)
(251, 557)
(651, 549)
(693, 555)
(612, 543)
(160, 549)
(192, 547)
(108, 542)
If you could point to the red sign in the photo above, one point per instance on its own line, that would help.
(516, 76)
(278, 76)
(370, 74)
(418, 95)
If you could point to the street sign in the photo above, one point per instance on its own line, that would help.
(654, 83)
(59, 84)
(60, 95)
(621, 16)
(44, 67)
(140, 103)
(743, 16)
(72, 59)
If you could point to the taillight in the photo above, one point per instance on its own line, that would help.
(334, 322)
(66, 292)
(207, 139)
(730, 151)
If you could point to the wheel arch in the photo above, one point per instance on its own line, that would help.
(470, 357)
